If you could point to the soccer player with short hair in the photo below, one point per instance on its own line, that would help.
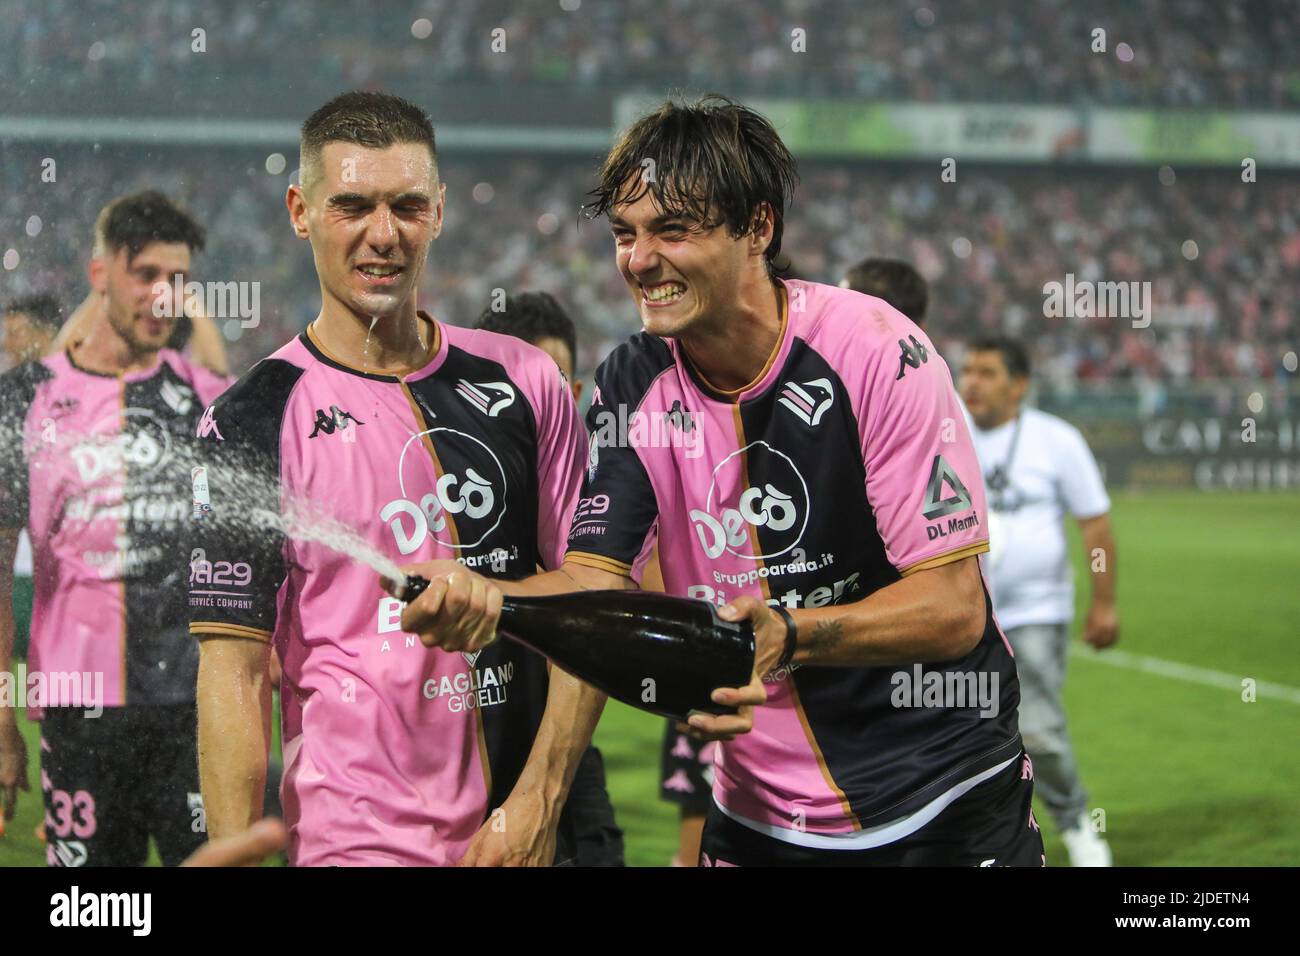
(893, 280)
(192, 329)
(431, 442)
(98, 441)
(837, 505)
(1037, 468)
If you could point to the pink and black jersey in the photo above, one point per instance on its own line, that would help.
(845, 466)
(394, 753)
(96, 467)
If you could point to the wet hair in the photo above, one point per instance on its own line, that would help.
(373, 120)
(714, 162)
(895, 281)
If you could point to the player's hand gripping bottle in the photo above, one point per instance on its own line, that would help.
(657, 653)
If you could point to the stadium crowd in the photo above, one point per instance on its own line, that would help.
(1222, 257)
(1158, 52)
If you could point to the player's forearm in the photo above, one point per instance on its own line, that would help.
(566, 579)
(932, 615)
(234, 709)
(1099, 551)
(572, 712)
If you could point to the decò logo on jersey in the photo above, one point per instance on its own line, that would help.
(473, 496)
(778, 503)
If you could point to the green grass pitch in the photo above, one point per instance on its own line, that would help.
(1187, 773)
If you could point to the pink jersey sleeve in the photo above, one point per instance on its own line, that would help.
(561, 451)
(923, 479)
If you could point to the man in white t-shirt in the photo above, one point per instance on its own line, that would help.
(1038, 468)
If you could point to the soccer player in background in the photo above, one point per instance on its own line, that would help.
(893, 280)
(30, 324)
(588, 834)
(193, 330)
(835, 503)
(431, 442)
(1037, 468)
(97, 443)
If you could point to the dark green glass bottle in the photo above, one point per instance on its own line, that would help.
(657, 653)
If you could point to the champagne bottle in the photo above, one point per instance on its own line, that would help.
(657, 653)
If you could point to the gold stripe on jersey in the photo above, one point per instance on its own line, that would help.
(733, 394)
(765, 586)
(817, 752)
(438, 471)
(214, 629)
(599, 562)
(948, 557)
(435, 342)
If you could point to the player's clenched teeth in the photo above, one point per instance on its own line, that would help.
(664, 292)
(379, 272)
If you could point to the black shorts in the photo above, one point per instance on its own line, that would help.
(587, 834)
(686, 771)
(112, 781)
(992, 825)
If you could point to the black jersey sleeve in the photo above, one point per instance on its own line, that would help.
(236, 548)
(616, 521)
(17, 392)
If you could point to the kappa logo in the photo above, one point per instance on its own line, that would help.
(809, 401)
(679, 418)
(337, 418)
(490, 398)
(179, 398)
(208, 425)
(911, 356)
(935, 505)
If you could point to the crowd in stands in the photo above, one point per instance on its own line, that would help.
(1222, 257)
(1225, 53)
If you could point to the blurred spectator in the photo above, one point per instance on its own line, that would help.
(30, 324)
(986, 246)
(1190, 53)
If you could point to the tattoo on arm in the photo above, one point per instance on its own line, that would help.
(824, 638)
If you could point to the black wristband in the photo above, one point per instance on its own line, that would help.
(791, 637)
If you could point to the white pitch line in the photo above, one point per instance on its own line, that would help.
(1187, 672)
